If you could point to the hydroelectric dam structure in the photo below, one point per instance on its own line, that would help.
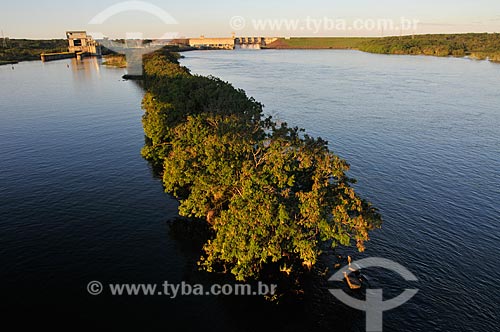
(230, 43)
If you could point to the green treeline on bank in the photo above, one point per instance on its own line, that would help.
(479, 46)
(115, 60)
(476, 45)
(308, 43)
(272, 196)
(15, 50)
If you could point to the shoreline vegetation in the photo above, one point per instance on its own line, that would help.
(115, 60)
(479, 46)
(18, 50)
(273, 199)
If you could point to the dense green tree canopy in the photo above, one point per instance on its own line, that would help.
(271, 194)
(477, 45)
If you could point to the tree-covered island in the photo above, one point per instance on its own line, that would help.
(271, 195)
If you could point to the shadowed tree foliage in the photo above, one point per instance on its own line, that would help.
(271, 194)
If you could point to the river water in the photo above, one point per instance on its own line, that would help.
(78, 203)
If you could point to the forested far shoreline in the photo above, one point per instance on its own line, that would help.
(16, 50)
(479, 46)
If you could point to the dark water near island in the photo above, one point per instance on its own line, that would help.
(78, 203)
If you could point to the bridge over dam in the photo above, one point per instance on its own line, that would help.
(231, 43)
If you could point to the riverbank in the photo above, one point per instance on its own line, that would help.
(115, 60)
(313, 43)
(8, 62)
(18, 50)
(120, 61)
(481, 46)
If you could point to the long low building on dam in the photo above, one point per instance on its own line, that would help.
(230, 43)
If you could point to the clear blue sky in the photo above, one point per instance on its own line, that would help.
(50, 19)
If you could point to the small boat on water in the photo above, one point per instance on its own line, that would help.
(353, 278)
(352, 281)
